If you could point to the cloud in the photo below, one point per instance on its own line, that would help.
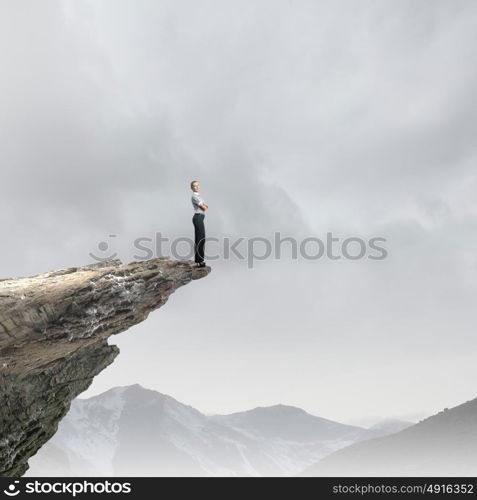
(299, 117)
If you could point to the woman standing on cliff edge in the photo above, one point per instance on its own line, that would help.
(198, 220)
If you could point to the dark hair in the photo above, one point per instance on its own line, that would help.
(192, 183)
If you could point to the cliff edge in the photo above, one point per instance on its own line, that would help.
(53, 340)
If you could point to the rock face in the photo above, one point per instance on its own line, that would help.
(53, 340)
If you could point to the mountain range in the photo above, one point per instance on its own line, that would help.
(442, 445)
(133, 431)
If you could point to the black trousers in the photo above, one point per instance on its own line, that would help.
(199, 230)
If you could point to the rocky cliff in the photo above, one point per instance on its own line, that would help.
(53, 340)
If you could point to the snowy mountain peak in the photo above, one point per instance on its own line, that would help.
(132, 430)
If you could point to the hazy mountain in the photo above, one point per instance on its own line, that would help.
(385, 427)
(287, 422)
(441, 445)
(130, 431)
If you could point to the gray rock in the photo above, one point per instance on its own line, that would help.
(53, 340)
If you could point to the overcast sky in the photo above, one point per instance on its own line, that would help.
(305, 117)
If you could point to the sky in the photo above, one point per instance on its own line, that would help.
(355, 118)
